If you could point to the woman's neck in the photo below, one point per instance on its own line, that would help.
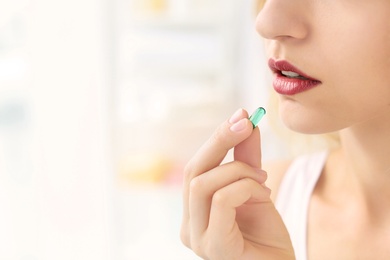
(360, 169)
(366, 148)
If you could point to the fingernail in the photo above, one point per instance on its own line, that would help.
(239, 126)
(236, 116)
(262, 173)
(266, 188)
(261, 176)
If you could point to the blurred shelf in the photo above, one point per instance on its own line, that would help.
(176, 71)
(164, 22)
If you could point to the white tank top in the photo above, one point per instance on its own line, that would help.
(294, 196)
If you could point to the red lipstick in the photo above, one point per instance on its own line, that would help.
(289, 80)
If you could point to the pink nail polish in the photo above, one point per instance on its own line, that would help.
(236, 116)
(239, 126)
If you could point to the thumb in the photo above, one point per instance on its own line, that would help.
(249, 150)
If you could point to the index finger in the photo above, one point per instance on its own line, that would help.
(210, 155)
(227, 136)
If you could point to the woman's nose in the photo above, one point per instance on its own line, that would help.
(281, 19)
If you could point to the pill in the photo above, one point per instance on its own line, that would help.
(257, 116)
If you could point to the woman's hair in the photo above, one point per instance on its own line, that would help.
(259, 4)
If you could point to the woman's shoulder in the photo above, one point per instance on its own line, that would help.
(305, 168)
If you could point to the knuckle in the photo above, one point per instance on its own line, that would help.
(196, 184)
(219, 199)
(185, 237)
(200, 250)
(188, 170)
(208, 250)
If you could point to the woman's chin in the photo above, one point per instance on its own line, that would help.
(305, 121)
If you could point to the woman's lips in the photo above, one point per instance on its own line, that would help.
(289, 80)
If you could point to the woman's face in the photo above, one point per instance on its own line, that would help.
(345, 46)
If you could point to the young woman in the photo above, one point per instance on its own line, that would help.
(331, 65)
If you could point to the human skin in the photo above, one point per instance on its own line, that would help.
(227, 211)
(345, 44)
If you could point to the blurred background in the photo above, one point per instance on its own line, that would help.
(102, 102)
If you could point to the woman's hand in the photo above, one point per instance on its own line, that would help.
(228, 213)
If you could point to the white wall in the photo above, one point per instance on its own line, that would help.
(55, 177)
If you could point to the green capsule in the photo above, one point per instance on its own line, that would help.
(257, 116)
